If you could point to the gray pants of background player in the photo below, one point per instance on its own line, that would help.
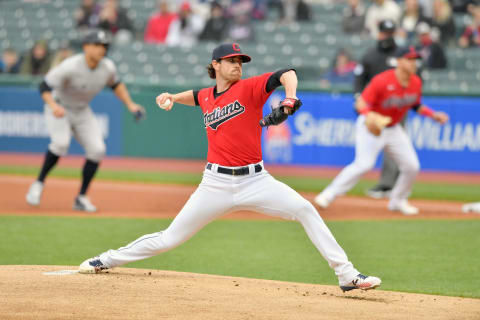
(84, 127)
(390, 171)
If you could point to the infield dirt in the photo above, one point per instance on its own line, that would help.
(27, 293)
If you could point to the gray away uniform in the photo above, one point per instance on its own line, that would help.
(74, 85)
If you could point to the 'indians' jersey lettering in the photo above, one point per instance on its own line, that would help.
(386, 95)
(220, 115)
(232, 121)
(399, 101)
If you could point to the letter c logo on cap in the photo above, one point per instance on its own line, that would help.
(236, 47)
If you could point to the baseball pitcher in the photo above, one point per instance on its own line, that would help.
(235, 177)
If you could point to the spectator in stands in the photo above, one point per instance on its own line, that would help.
(115, 20)
(87, 15)
(241, 28)
(216, 26)
(381, 10)
(159, 24)
(461, 6)
(341, 71)
(259, 10)
(433, 56)
(184, 31)
(64, 51)
(10, 62)
(411, 17)
(443, 22)
(291, 10)
(471, 35)
(353, 20)
(37, 60)
(303, 11)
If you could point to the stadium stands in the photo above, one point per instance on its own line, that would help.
(307, 46)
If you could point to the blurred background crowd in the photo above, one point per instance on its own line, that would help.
(323, 39)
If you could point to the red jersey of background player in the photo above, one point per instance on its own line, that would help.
(231, 120)
(386, 95)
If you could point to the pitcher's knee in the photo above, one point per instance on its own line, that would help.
(304, 209)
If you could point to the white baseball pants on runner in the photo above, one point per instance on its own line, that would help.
(85, 128)
(219, 194)
(395, 142)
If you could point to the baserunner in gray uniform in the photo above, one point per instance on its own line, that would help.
(67, 90)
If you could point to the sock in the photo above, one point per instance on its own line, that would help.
(49, 162)
(88, 172)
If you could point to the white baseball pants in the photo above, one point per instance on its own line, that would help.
(395, 142)
(85, 128)
(219, 194)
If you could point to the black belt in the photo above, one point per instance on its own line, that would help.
(235, 172)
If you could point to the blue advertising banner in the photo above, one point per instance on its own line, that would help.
(23, 129)
(322, 132)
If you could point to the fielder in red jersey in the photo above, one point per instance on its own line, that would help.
(235, 177)
(391, 94)
(388, 97)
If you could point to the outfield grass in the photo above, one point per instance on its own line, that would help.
(423, 256)
(421, 190)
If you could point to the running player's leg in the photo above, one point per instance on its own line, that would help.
(367, 148)
(60, 135)
(388, 175)
(401, 149)
(88, 133)
(60, 132)
(264, 194)
(211, 200)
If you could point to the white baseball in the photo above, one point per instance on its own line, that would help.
(165, 104)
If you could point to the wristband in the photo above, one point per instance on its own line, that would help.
(426, 111)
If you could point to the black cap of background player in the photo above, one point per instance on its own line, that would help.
(228, 50)
(97, 36)
(387, 26)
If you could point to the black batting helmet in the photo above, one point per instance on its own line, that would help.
(97, 36)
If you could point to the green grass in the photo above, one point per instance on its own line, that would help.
(434, 257)
(421, 190)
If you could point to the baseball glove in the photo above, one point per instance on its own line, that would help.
(375, 122)
(139, 115)
(278, 115)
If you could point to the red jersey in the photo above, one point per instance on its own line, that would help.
(385, 95)
(232, 121)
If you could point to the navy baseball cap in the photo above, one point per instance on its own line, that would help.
(387, 26)
(97, 36)
(407, 52)
(228, 50)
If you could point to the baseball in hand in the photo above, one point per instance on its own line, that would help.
(165, 104)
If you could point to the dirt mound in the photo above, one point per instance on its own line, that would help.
(27, 292)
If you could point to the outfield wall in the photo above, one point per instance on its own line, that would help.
(320, 133)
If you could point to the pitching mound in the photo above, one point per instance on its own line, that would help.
(41, 292)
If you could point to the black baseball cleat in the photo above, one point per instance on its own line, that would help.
(362, 282)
